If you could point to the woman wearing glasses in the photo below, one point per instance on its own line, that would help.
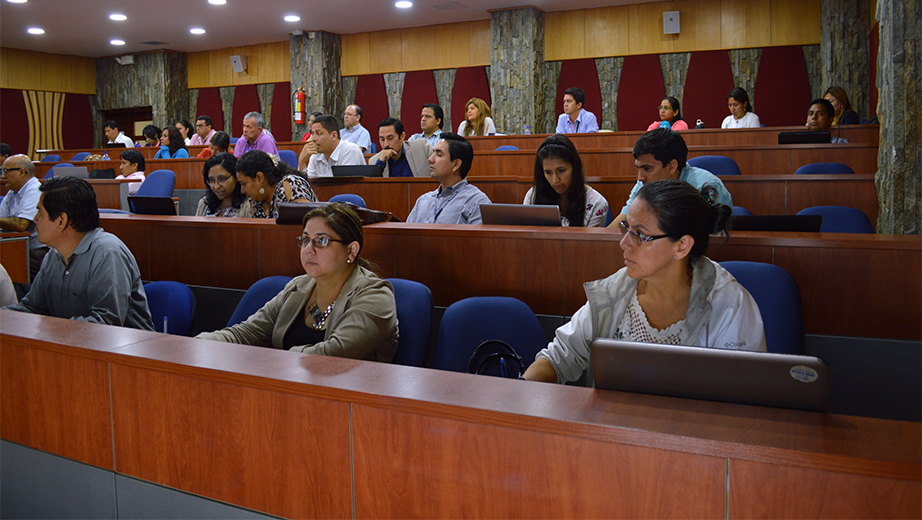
(339, 308)
(670, 112)
(668, 291)
(269, 182)
(224, 197)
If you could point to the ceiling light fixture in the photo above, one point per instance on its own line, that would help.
(118, 17)
(197, 30)
(16, 1)
(292, 18)
(217, 2)
(117, 42)
(404, 4)
(35, 30)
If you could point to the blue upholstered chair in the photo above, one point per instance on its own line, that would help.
(739, 210)
(51, 158)
(158, 183)
(506, 148)
(716, 164)
(256, 296)
(609, 217)
(350, 198)
(469, 322)
(840, 219)
(414, 314)
(373, 149)
(778, 298)
(233, 140)
(825, 167)
(290, 158)
(80, 156)
(172, 307)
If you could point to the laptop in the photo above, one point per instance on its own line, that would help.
(785, 223)
(358, 170)
(520, 214)
(732, 376)
(152, 205)
(115, 145)
(79, 172)
(804, 137)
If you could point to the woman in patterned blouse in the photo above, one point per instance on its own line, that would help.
(270, 182)
(224, 197)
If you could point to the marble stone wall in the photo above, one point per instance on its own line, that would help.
(444, 83)
(348, 92)
(744, 65)
(315, 65)
(844, 49)
(547, 123)
(519, 84)
(609, 70)
(227, 107)
(675, 68)
(393, 84)
(193, 105)
(264, 93)
(812, 61)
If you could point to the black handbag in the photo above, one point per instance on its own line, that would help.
(496, 358)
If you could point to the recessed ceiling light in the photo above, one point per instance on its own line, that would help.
(197, 30)
(292, 18)
(118, 17)
(117, 42)
(217, 2)
(35, 30)
(16, 1)
(404, 4)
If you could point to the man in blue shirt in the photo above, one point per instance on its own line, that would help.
(353, 131)
(430, 121)
(574, 119)
(455, 201)
(399, 158)
(18, 209)
(660, 154)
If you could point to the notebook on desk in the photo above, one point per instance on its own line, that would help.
(520, 214)
(152, 205)
(79, 172)
(732, 376)
(358, 170)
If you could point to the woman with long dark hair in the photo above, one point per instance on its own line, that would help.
(224, 197)
(172, 145)
(670, 112)
(269, 182)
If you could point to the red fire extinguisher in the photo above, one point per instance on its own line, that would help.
(299, 106)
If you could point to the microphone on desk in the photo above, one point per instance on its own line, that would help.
(164, 325)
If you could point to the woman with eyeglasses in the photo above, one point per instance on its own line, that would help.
(269, 182)
(670, 115)
(668, 292)
(339, 308)
(224, 197)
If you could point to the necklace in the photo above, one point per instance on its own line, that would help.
(320, 318)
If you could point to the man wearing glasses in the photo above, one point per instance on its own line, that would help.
(18, 209)
(353, 131)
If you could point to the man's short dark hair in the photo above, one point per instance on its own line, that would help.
(459, 148)
(664, 145)
(73, 196)
(437, 112)
(134, 157)
(328, 123)
(578, 94)
(111, 124)
(5, 149)
(390, 121)
(358, 111)
(830, 110)
(206, 119)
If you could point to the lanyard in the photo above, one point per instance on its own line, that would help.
(438, 210)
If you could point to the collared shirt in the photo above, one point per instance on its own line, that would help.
(263, 142)
(585, 123)
(345, 154)
(458, 204)
(100, 283)
(432, 139)
(358, 135)
(123, 139)
(24, 204)
(697, 177)
(196, 140)
(398, 167)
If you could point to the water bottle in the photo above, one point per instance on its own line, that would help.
(699, 125)
(665, 124)
(105, 156)
(527, 130)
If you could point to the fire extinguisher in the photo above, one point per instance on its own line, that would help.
(299, 98)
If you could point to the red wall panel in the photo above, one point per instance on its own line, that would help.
(639, 92)
(782, 92)
(371, 95)
(14, 122)
(209, 104)
(470, 82)
(77, 124)
(245, 100)
(418, 89)
(281, 111)
(580, 73)
(707, 84)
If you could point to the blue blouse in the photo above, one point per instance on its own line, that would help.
(164, 153)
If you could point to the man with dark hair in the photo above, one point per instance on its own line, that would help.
(574, 119)
(5, 152)
(660, 154)
(455, 201)
(325, 149)
(114, 136)
(399, 158)
(819, 118)
(18, 209)
(353, 131)
(89, 275)
(431, 123)
(132, 167)
(203, 131)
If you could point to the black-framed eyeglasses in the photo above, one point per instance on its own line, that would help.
(7, 171)
(637, 236)
(319, 241)
(214, 180)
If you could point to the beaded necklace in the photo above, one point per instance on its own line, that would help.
(320, 318)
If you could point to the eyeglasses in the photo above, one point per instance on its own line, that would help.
(211, 181)
(637, 236)
(665, 108)
(7, 171)
(319, 241)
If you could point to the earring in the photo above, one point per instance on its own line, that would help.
(676, 257)
(348, 260)
(262, 190)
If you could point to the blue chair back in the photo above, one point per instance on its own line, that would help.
(716, 164)
(739, 210)
(824, 167)
(609, 217)
(778, 298)
(114, 211)
(80, 156)
(233, 140)
(51, 158)
(256, 296)
(350, 198)
(290, 158)
(840, 219)
(374, 148)
(50, 172)
(414, 316)
(469, 322)
(173, 301)
(158, 183)
(506, 148)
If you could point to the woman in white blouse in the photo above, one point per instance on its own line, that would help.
(741, 114)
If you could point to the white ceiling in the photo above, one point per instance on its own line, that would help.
(83, 27)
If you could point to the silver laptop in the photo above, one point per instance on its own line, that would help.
(79, 172)
(733, 376)
(520, 214)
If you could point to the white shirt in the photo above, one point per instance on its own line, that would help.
(345, 154)
(123, 139)
(750, 120)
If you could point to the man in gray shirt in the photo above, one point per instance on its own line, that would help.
(456, 201)
(88, 275)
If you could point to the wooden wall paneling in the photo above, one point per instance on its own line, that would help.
(500, 190)
(188, 171)
(279, 253)
(224, 243)
(589, 260)
(481, 43)
(412, 41)
(616, 190)
(385, 51)
(5, 67)
(22, 69)
(520, 163)
(796, 22)
(699, 25)
(607, 32)
(646, 28)
(383, 195)
(759, 490)
(356, 55)
(220, 71)
(381, 250)
(861, 157)
(766, 195)
(452, 39)
(856, 191)
(752, 160)
(564, 35)
(484, 164)
(609, 163)
(108, 193)
(744, 24)
(275, 62)
(233, 442)
(198, 70)
(137, 239)
(721, 251)
(27, 70)
(419, 472)
(14, 252)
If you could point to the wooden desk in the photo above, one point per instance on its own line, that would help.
(14, 255)
(851, 285)
(256, 427)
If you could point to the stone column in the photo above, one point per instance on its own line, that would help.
(264, 93)
(675, 68)
(814, 73)
(744, 65)
(899, 159)
(393, 84)
(227, 108)
(517, 72)
(609, 70)
(444, 83)
(315, 65)
(844, 49)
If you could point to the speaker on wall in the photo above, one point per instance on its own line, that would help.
(239, 63)
(671, 22)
